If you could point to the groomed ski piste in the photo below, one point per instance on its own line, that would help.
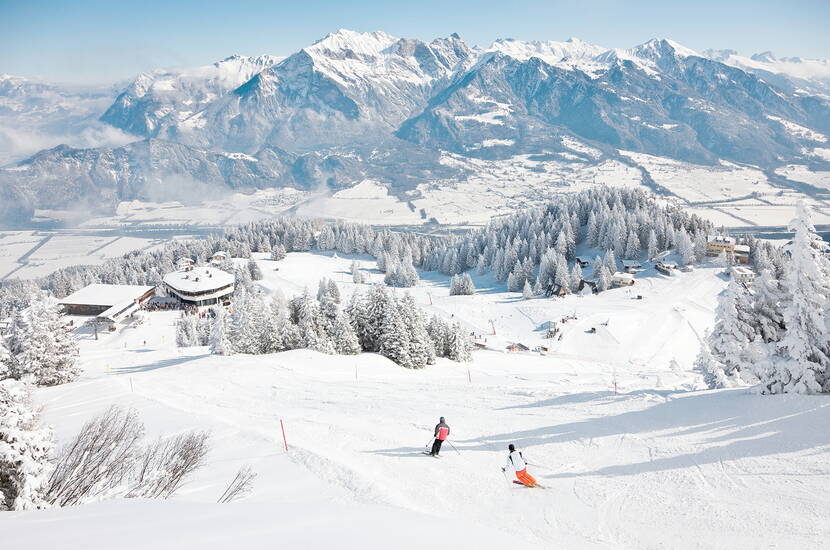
(631, 450)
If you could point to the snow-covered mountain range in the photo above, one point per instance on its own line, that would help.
(356, 105)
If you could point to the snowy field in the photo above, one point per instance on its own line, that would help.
(728, 194)
(502, 186)
(630, 452)
(29, 254)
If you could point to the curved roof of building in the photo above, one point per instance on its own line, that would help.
(198, 279)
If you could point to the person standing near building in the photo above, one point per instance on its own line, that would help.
(442, 432)
(516, 462)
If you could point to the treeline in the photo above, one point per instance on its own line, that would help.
(532, 245)
(376, 321)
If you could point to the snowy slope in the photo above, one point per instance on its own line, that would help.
(656, 465)
(163, 94)
(812, 75)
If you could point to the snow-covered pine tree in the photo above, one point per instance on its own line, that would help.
(562, 277)
(186, 330)
(253, 269)
(203, 326)
(632, 246)
(227, 266)
(766, 307)
(516, 279)
(322, 289)
(611, 262)
(394, 341)
(421, 348)
(242, 278)
(596, 267)
(278, 253)
(378, 303)
(801, 364)
(5, 359)
(527, 291)
(724, 350)
(41, 345)
(685, 248)
(343, 336)
(455, 285)
(604, 279)
(468, 287)
(219, 343)
(651, 246)
(334, 292)
(711, 369)
(25, 450)
(274, 327)
(459, 346)
(576, 277)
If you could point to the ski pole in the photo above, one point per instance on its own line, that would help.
(453, 446)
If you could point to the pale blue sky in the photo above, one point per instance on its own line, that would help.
(103, 41)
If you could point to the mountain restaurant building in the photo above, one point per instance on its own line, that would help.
(107, 302)
(200, 286)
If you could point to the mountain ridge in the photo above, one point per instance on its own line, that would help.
(353, 105)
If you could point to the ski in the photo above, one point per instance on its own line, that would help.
(537, 486)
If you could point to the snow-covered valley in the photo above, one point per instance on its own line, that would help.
(631, 451)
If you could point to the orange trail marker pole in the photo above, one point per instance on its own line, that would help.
(285, 441)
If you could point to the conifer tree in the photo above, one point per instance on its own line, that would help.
(219, 344)
(604, 279)
(278, 253)
(344, 337)
(576, 277)
(685, 249)
(801, 362)
(25, 450)
(253, 269)
(421, 349)
(394, 341)
(725, 346)
(458, 346)
(632, 246)
(186, 331)
(651, 247)
(766, 307)
(527, 292)
(597, 267)
(611, 262)
(40, 344)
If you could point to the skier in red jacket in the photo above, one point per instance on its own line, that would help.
(442, 432)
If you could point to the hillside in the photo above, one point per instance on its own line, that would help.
(614, 424)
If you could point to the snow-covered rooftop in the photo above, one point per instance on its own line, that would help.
(105, 295)
(198, 279)
(720, 239)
